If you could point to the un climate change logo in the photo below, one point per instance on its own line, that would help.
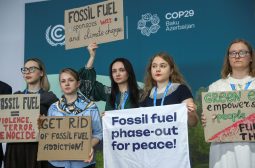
(148, 19)
(55, 36)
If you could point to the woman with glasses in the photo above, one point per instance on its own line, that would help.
(19, 155)
(74, 103)
(122, 94)
(238, 73)
(164, 85)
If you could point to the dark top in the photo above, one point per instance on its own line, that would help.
(4, 89)
(24, 155)
(176, 94)
(96, 91)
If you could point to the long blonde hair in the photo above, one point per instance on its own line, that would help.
(227, 69)
(175, 76)
(44, 82)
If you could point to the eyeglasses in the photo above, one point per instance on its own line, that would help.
(26, 70)
(241, 54)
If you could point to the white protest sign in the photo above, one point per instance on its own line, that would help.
(146, 137)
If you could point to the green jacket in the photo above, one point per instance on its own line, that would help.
(96, 91)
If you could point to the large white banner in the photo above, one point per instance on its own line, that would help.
(146, 137)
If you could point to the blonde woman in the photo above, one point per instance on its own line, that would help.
(238, 73)
(25, 154)
(165, 85)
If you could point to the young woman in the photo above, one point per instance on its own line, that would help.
(165, 85)
(25, 154)
(238, 73)
(122, 94)
(74, 103)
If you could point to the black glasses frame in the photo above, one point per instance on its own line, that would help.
(31, 69)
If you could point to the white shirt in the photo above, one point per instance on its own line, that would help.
(236, 154)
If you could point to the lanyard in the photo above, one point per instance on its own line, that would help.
(123, 102)
(233, 86)
(163, 98)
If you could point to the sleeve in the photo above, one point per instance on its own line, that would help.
(91, 88)
(51, 110)
(96, 123)
(5, 88)
(185, 93)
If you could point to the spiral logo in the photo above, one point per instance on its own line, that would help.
(55, 36)
(153, 20)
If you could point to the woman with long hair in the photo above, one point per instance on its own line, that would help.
(25, 154)
(238, 73)
(164, 85)
(74, 103)
(122, 94)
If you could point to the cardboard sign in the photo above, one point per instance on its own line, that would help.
(230, 116)
(100, 23)
(18, 117)
(146, 137)
(64, 138)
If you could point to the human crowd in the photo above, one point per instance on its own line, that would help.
(163, 85)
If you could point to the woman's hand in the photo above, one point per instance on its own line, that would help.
(92, 49)
(91, 156)
(102, 114)
(39, 121)
(192, 112)
(92, 54)
(203, 119)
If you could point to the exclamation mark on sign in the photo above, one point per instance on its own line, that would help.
(174, 143)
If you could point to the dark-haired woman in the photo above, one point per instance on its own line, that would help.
(122, 94)
(19, 155)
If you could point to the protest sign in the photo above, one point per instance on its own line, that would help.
(100, 23)
(146, 137)
(230, 116)
(64, 138)
(18, 117)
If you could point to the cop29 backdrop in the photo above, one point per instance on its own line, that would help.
(195, 33)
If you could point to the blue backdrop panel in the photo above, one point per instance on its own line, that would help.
(196, 33)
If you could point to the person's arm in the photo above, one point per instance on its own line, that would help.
(192, 113)
(89, 87)
(92, 54)
(97, 133)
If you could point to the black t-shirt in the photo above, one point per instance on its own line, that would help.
(176, 95)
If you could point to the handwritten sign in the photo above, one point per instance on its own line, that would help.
(100, 23)
(141, 136)
(18, 117)
(230, 116)
(64, 138)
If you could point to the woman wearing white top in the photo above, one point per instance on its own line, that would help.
(238, 73)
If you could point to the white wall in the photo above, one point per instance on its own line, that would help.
(12, 33)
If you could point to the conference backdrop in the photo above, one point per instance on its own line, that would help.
(196, 33)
